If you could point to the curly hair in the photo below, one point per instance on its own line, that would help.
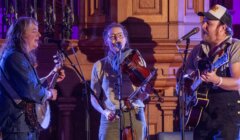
(112, 25)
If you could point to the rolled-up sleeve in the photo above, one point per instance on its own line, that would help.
(95, 79)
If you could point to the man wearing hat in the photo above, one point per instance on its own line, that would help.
(220, 118)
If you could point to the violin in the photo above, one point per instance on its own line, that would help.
(134, 66)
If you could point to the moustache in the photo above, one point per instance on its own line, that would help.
(204, 32)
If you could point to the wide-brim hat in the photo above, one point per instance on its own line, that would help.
(218, 12)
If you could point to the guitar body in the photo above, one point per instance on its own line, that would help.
(37, 115)
(43, 114)
(194, 109)
(198, 100)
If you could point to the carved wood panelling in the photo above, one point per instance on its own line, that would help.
(151, 7)
(148, 10)
(154, 114)
(95, 11)
(153, 27)
(189, 6)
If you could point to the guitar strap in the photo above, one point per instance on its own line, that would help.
(225, 71)
(8, 88)
(208, 57)
(222, 47)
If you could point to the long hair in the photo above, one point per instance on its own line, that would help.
(110, 26)
(15, 38)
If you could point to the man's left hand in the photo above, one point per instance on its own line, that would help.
(61, 75)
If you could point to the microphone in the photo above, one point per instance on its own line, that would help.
(118, 45)
(189, 34)
(56, 41)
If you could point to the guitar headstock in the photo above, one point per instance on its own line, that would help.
(58, 59)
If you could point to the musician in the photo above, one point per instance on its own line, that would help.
(18, 63)
(104, 83)
(220, 118)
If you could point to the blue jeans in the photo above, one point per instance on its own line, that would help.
(110, 130)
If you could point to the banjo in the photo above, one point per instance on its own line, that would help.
(38, 116)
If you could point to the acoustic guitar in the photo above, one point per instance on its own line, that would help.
(197, 100)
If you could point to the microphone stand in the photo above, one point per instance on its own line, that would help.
(120, 92)
(86, 89)
(181, 93)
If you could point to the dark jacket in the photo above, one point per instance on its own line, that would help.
(24, 80)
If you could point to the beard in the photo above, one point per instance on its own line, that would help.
(210, 38)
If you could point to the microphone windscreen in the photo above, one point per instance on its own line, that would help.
(119, 45)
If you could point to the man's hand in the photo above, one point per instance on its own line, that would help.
(210, 77)
(52, 94)
(110, 115)
(61, 75)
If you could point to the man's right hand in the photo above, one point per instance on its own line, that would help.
(53, 93)
(110, 115)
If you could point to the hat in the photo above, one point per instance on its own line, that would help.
(218, 12)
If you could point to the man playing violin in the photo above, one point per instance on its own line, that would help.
(221, 116)
(104, 83)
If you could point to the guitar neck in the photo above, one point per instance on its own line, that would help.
(196, 84)
(54, 80)
(221, 61)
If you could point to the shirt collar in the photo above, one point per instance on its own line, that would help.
(206, 47)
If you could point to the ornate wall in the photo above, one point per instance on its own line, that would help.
(154, 26)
